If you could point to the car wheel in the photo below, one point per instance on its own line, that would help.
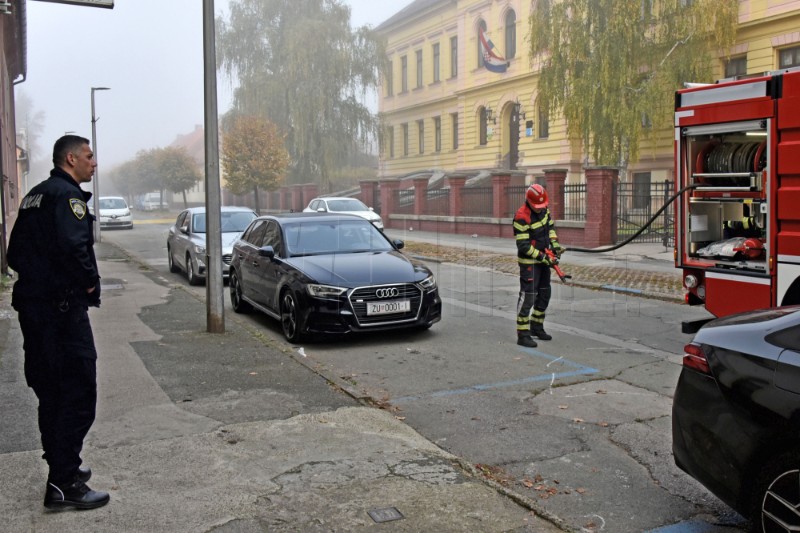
(290, 317)
(777, 497)
(237, 303)
(190, 275)
(171, 262)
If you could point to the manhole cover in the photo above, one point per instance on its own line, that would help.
(386, 514)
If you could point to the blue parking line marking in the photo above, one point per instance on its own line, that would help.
(579, 370)
(620, 289)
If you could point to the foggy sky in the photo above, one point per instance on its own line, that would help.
(149, 52)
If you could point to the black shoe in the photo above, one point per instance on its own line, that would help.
(526, 341)
(77, 495)
(541, 334)
(84, 474)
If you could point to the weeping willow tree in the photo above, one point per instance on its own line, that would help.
(612, 66)
(298, 64)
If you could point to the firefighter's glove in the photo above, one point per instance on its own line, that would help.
(557, 248)
(546, 261)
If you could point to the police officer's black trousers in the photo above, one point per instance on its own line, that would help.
(60, 367)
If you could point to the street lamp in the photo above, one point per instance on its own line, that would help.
(95, 184)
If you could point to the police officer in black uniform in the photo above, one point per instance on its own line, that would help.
(51, 250)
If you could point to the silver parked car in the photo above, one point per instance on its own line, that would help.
(186, 242)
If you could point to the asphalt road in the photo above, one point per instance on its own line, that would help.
(580, 425)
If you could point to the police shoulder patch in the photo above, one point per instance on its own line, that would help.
(78, 208)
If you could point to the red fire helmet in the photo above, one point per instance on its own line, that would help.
(536, 196)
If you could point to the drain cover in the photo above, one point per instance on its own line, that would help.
(386, 514)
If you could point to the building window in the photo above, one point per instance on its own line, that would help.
(481, 27)
(389, 79)
(453, 57)
(736, 66)
(421, 136)
(405, 139)
(435, 62)
(641, 190)
(454, 122)
(511, 34)
(437, 134)
(390, 141)
(544, 122)
(404, 74)
(419, 68)
(789, 57)
(482, 125)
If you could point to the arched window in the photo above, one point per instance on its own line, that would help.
(511, 34)
(481, 27)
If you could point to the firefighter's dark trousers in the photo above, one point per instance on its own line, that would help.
(534, 292)
(60, 367)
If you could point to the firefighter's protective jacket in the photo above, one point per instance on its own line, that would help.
(534, 233)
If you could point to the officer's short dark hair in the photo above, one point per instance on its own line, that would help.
(68, 144)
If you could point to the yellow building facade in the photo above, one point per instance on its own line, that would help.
(443, 110)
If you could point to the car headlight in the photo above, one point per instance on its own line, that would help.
(199, 249)
(428, 283)
(324, 291)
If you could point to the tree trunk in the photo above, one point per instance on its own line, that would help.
(185, 203)
(255, 193)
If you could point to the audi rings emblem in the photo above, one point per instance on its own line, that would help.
(392, 292)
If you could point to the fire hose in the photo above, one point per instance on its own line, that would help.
(554, 259)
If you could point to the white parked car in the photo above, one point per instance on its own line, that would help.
(114, 212)
(341, 204)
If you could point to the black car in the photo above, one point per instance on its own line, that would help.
(736, 414)
(322, 274)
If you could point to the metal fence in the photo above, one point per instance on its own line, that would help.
(516, 197)
(476, 202)
(437, 202)
(637, 203)
(575, 201)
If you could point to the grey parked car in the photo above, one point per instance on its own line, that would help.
(186, 242)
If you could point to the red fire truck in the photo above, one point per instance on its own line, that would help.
(737, 221)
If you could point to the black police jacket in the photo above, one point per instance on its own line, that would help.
(51, 245)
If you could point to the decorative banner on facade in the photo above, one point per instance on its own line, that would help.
(491, 60)
(88, 3)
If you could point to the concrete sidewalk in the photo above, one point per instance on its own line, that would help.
(272, 447)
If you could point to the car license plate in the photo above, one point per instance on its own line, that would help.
(386, 308)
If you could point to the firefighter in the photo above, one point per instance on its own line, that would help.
(534, 231)
(51, 250)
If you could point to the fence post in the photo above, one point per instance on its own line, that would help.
(310, 191)
(368, 188)
(388, 191)
(420, 190)
(456, 184)
(284, 192)
(601, 206)
(500, 181)
(555, 179)
(297, 198)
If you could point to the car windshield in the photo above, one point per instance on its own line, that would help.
(230, 221)
(310, 237)
(112, 203)
(347, 204)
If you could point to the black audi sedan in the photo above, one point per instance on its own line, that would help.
(736, 415)
(321, 274)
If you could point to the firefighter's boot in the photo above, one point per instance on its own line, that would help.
(537, 330)
(526, 341)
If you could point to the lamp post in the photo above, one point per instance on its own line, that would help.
(95, 184)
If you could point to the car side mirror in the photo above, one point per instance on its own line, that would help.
(267, 251)
(320, 210)
(398, 243)
(185, 229)
(371, 209)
